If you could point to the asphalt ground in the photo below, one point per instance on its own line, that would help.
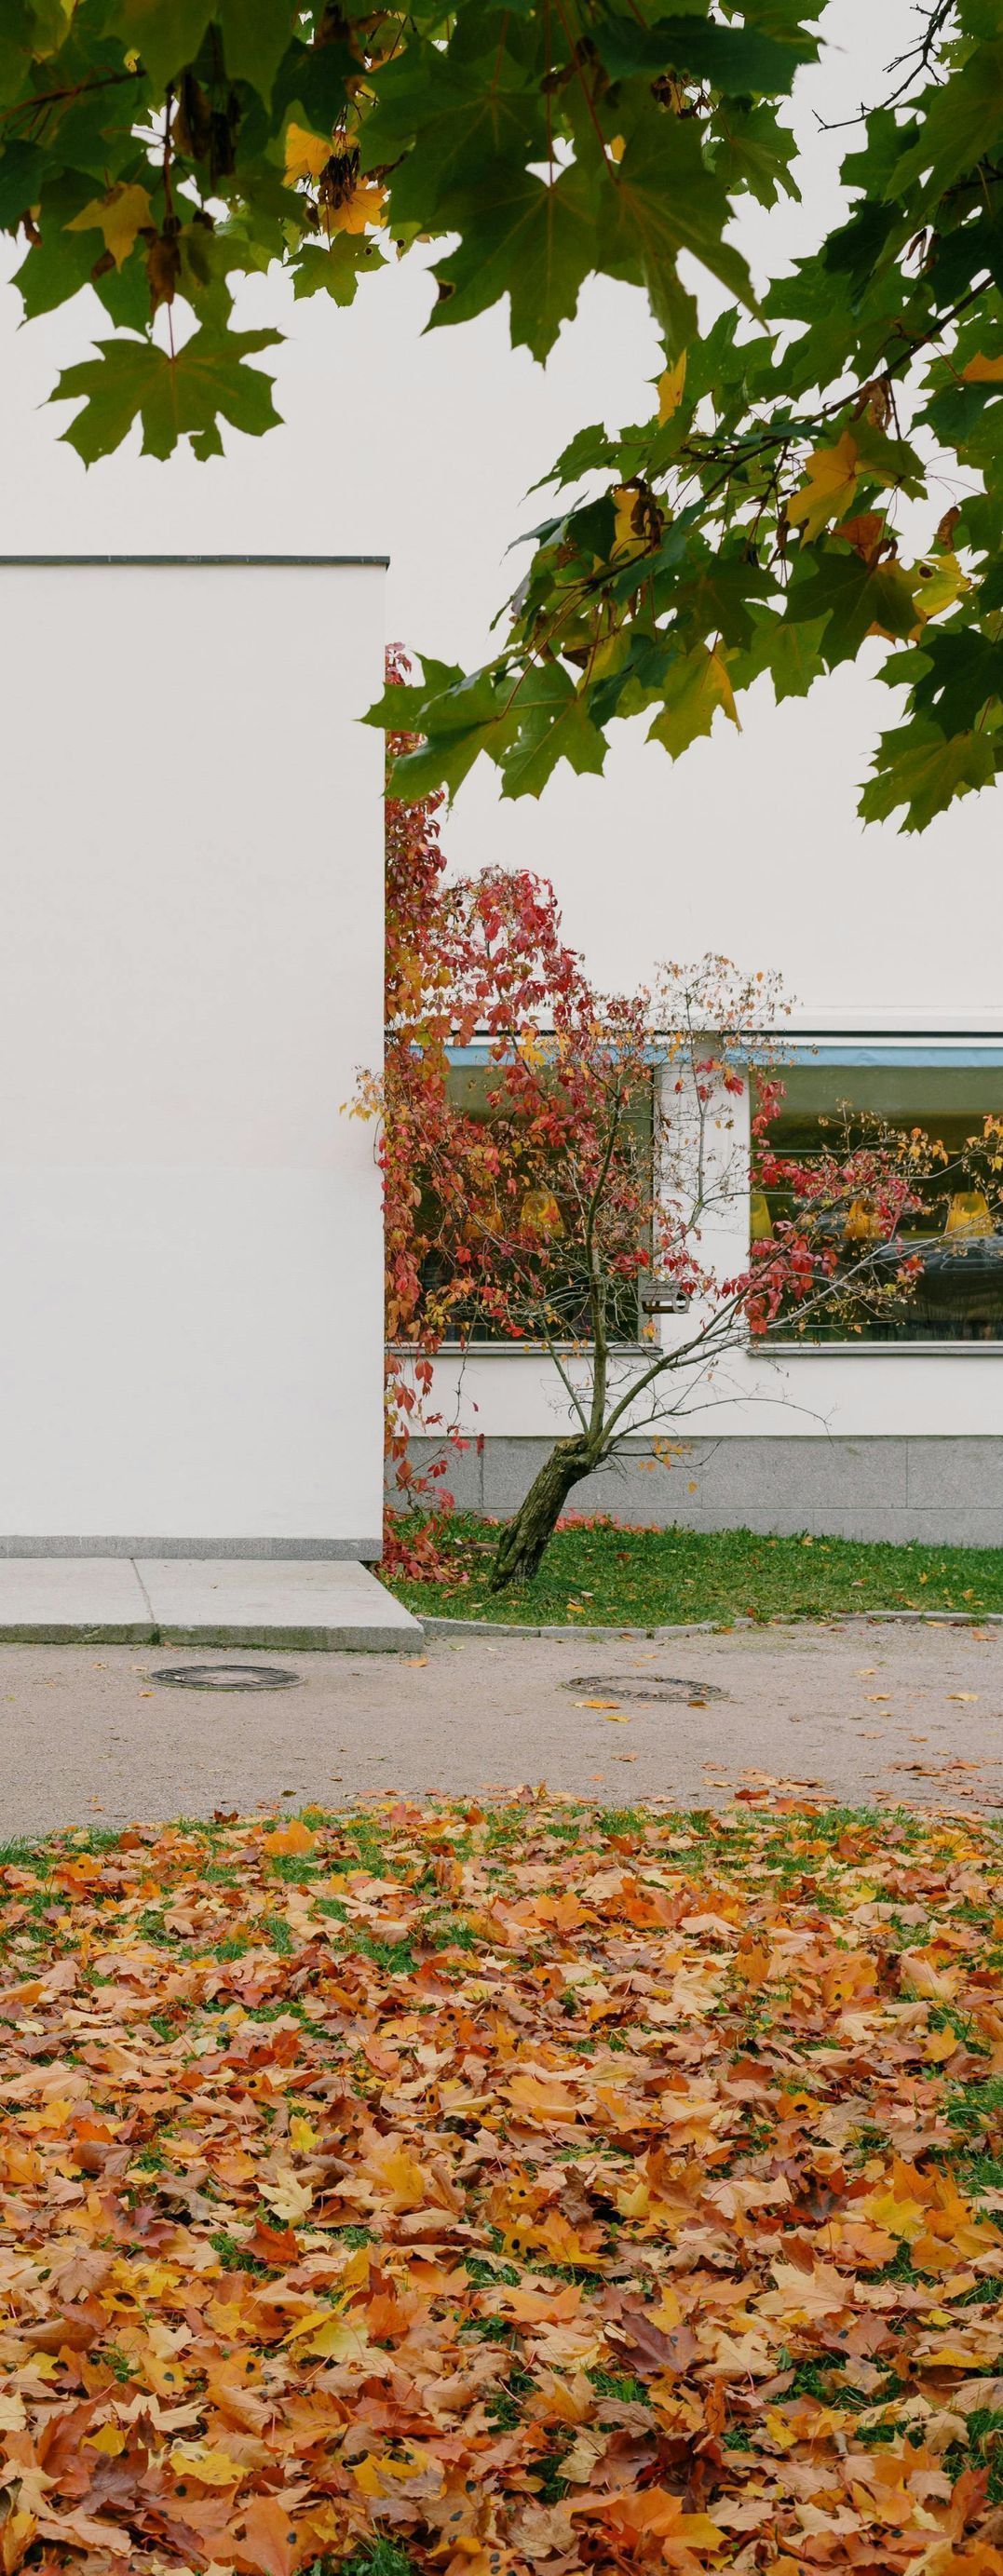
(870, 1712)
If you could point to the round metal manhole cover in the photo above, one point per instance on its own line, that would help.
(226, 1677)
(649, 1686)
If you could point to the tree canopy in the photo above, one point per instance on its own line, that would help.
(822, 463)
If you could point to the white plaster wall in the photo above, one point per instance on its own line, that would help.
(190, 972)
(514, 1395)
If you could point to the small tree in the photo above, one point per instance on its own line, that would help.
(605, 1176)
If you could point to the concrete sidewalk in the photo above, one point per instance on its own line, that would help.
(205, 1601)
(863, 1713)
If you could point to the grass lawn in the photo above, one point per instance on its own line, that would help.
(463, 2193)
(598, 1574)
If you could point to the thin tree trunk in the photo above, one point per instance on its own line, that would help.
(527, 1535)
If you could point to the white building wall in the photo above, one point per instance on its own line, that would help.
(191, 971)
(751, 847)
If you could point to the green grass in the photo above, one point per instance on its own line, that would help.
(595, 1575)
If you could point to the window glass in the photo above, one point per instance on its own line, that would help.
(956, 1233)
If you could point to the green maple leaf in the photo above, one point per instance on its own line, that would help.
(695, 686)
(961, 669)
(28, 29)
(795, 659)
(923, 770)
(472, 716)
(588, 448)
(852, 597)
(183, 397)
(15, 40)
(404, 705)
(738, 60)
(208, 261)
(665, 199)
(22, 177)
(535, 242)
(167, 33)
(962, 123)
(336, 270)
(256, 35)
(456, 127)
(754, 152)
(552, 725)
(58, 265)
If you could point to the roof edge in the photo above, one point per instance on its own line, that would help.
(320, 562)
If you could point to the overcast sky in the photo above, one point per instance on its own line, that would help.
(423, 448)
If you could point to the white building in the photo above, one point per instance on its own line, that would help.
(191, 1280)
(191, 973)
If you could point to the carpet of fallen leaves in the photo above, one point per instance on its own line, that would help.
(525, 2190)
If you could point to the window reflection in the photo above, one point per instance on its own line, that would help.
(955, 1233)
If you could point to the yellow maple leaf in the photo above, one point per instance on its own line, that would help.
(822, 2292)
(212, 2468)
(288, 2196)
(829, 490)
(119, 215)
(939, 582)
(110, 2439)
(899, 2215)
(630, 533)
(920, 1977)
(983, 371)
(545, 2098)
(338, 2341)
(400, 2174)
(364, 206)
(18, 2533)
(670, 388)
(302, 2134)
(294, 1837)
(367, 2475)
(307, 154)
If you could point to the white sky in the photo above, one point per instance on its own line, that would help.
(423, 448)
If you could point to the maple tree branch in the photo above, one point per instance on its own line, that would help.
(77, 89)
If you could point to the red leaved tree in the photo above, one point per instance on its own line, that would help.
(461, 960)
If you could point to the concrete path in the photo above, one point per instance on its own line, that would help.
(881, 1711)
(205, 1601)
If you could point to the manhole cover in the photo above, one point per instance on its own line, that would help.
(648, 1686)
(226, 1677)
